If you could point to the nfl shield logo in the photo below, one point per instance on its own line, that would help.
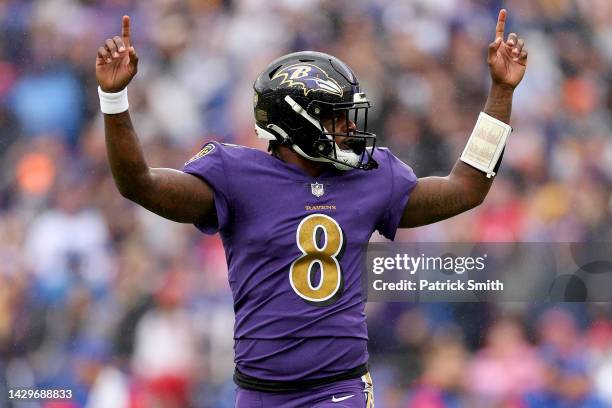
(317, 189)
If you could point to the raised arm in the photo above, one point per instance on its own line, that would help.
(170, 193)
(438, 198)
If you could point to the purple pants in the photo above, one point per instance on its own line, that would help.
(356, 393)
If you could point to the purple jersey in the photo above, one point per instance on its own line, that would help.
(294, 247)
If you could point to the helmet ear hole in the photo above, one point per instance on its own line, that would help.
(322, 148)
(315, 110)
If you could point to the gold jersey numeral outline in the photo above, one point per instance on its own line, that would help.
(331, 283)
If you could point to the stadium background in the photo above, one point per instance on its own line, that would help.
(126, 309)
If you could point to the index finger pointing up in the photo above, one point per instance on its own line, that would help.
(501, 24)
(125, 30)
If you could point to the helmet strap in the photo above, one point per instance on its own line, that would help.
(302, 112)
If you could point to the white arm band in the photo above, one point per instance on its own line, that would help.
(486, 144)
(112, 103)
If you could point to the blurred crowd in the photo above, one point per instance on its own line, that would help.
(128, 310)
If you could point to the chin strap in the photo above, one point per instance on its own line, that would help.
(302, 112)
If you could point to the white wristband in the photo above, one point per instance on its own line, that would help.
(112, 103)
(486, 144)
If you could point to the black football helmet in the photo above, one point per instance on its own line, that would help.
(297, 92)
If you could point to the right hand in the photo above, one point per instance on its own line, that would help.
(117, 62)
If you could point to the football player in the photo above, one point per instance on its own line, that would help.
(294, 221)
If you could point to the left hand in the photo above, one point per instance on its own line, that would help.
(507, 59)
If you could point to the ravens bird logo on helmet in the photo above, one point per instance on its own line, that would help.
(309, 77)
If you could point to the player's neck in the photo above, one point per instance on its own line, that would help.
(312, 168)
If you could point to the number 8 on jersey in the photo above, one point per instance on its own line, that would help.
(331, 282)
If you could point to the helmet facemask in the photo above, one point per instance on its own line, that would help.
(349, 124)
(357, 144)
